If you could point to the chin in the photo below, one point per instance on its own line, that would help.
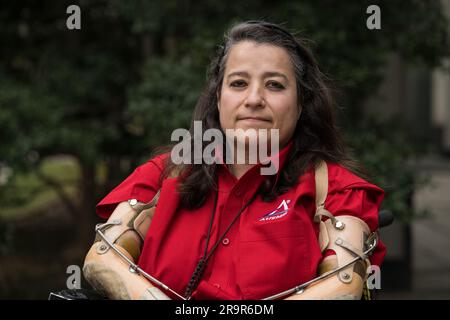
(255, 127)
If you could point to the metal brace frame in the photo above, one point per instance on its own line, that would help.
(134, 268)
(372, 243)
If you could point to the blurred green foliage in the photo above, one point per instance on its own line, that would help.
(386, 151)
(114, 90)
(27, 193)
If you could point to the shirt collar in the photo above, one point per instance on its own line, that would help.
(278, 160)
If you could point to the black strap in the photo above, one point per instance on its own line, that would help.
(201, 265)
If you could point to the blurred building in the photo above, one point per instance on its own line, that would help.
(420, 96)
(417, 265)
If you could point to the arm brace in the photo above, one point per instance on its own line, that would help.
(109, 272)
(350, 238)
(348, 243)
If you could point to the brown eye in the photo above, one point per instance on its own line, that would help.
(238, 83)
(275, 85)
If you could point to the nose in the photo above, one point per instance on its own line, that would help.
(254, 98)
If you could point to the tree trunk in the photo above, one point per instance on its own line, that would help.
(87, 218)
(113, 175)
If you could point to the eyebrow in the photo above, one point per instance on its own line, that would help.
(265, 75)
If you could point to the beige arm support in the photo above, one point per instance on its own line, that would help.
(348, 241)
(332, 288)
(347, 237)
(110, 274)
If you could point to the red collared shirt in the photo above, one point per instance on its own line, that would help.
(272, 247)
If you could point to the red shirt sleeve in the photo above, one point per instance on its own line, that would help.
(141, 185)
(348, 194)
(361, 203)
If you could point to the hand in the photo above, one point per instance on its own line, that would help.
(154, 293)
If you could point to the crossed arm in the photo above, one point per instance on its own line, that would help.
(109, 274)
(333, 288)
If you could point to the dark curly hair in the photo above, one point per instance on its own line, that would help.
(316, 136)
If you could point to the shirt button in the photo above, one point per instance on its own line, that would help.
(225, 241)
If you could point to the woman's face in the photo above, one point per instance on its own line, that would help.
(259, 90)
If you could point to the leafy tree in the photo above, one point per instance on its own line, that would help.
(109, 93)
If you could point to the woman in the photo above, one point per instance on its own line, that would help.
(226, 231)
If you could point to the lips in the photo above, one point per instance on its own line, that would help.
(254, 119)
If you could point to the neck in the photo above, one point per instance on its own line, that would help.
(238, 170)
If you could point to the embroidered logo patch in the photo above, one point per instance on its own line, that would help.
(278, 213)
